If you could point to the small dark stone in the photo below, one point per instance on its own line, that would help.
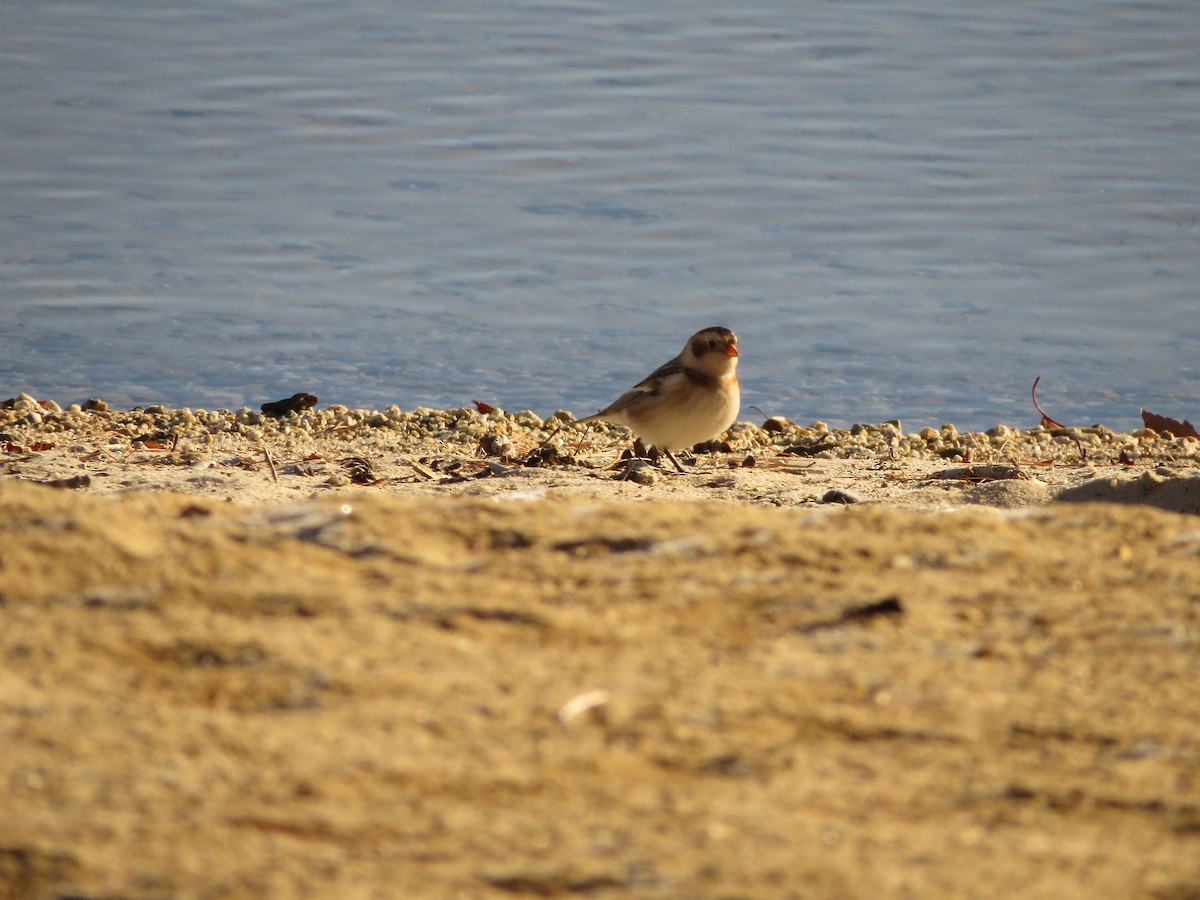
(548, 456)
(728, 764)
(861, 612)
(494, 470)
(591, 546)
(837, 495)
(293, 404)
(639, 471)
(94, 404)
(496, 445)
(510, 540)
(74, 482)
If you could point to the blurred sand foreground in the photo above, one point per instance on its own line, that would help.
(550, 693)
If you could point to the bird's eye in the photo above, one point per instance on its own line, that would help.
(712, 345)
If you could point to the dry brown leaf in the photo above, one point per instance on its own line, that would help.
(1174, 426)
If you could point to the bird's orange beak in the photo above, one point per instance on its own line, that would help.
(731, 351)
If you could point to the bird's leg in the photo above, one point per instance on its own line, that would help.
(672, 458)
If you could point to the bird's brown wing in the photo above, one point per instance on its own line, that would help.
(650, 386)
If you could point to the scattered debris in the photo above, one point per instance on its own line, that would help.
(979, 474)
(423, 471)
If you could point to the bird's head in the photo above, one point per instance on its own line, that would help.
(713, 350)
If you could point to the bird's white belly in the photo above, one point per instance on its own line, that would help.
(678, 426)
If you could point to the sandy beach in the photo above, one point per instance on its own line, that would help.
(453, 653)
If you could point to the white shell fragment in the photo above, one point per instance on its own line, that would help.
(595, 702)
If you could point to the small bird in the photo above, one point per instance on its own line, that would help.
(691, 399)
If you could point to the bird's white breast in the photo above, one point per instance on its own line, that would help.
(684, 414)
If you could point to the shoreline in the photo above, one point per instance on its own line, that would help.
(251, 457)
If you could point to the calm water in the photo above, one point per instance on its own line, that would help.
(903, 209)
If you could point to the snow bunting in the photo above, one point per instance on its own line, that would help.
(693, 398)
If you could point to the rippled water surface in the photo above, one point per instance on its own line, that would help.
(903, 209)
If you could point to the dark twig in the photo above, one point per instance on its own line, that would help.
(1048, 422)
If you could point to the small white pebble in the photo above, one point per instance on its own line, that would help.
(596, 702)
